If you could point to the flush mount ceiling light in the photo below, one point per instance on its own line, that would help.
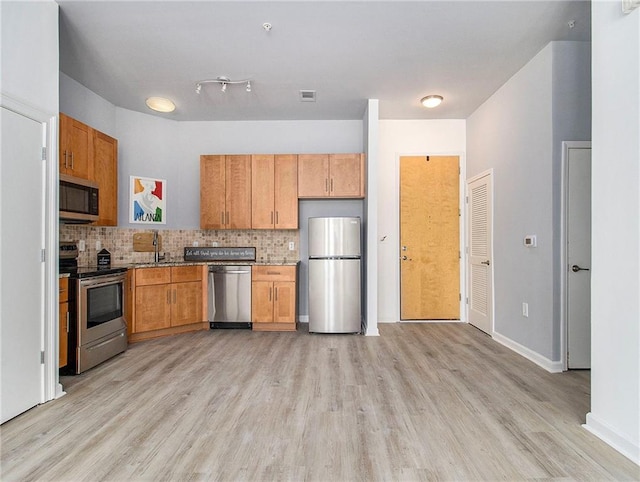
(431, 101)
(160, 104)
(223, 82)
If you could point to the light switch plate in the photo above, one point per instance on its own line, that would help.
(292, 246)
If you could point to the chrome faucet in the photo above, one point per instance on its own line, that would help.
(156, 252)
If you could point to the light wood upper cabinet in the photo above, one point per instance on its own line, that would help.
(331, 175)
(225, 192)
(274, 195)
(75, 148)
(105, 170)
(313, 175)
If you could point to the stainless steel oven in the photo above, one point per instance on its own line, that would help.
(97, 328)
(101, 329)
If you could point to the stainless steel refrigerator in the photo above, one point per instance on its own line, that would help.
(334, 275)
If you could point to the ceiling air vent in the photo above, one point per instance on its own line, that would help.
(307, 96)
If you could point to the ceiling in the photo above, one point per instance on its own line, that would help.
(348, 52)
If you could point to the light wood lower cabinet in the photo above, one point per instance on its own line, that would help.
(63, 322)
(273, 298)
(168, 300)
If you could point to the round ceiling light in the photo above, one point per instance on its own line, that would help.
(160, 104)
(431, 101)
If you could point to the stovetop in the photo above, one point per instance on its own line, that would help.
(91, 271)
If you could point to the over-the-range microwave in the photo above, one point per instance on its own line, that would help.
(78, 200)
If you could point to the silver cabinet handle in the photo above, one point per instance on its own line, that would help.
(67, 322)
(271, 217)
(270, 293)
(65, 158)
(72, 167)
(276, 294)
(331, 184)
(277, 222)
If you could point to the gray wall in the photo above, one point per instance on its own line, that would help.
(151, 146)
(518, 133)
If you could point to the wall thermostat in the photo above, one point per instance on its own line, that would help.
(530, 241)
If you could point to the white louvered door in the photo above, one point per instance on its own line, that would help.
(480, 253)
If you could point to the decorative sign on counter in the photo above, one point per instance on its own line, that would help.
(210, 253)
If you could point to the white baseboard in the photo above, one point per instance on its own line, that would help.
(541, 361)
(608, 435)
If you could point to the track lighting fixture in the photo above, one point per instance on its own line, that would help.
(224, 82)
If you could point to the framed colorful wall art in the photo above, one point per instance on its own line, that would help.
(147, 200)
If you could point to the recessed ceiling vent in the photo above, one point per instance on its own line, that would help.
(307, 96)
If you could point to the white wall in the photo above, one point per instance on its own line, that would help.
(30, 53)
(80, 103)
(398, 138)
(29, 83)
(518, 132)
(615, 283)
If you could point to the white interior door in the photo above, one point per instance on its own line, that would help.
(22, 278)
(480, 285)
(578, 222)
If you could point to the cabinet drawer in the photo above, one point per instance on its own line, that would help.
(181, 274)
(63, 290)
(152, 276)
(273, 273)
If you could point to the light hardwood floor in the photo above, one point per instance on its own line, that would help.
(420, 402)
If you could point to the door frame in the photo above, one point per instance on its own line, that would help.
(488, 172)
(564, 273)
(50, 385)
(462, 237)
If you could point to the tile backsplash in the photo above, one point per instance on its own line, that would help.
(272, 246)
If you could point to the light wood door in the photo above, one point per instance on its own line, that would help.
(284, 302)
(186, 303)
(313, 175)
(75, 142)
(212, 192)
(480, 265)
(262, 192)
(238, 192)
(286, 191)
(262, 301)
(105, 169)
(346, 175)
(153, 309)
(578, 238)
(429, 238)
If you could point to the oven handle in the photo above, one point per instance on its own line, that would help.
(103, 280)
(105, 342)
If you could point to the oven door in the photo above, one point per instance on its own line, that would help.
(100, 307)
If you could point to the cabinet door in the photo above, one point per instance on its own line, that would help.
(262, 302)
(105, 169)
(286, 192)
(186, 303)
(346, 172)
(284, 305)
(153, 311)
(313, 175)
(63, 334)
(212, 192)
(238, 192)
(75, 140)
(262, 192)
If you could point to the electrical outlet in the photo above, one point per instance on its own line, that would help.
(98, 245)
(214, 244)
(81, 245)
(196, 244)
(292, 246)
(525, 310)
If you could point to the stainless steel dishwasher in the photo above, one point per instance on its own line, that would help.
(229, 296)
